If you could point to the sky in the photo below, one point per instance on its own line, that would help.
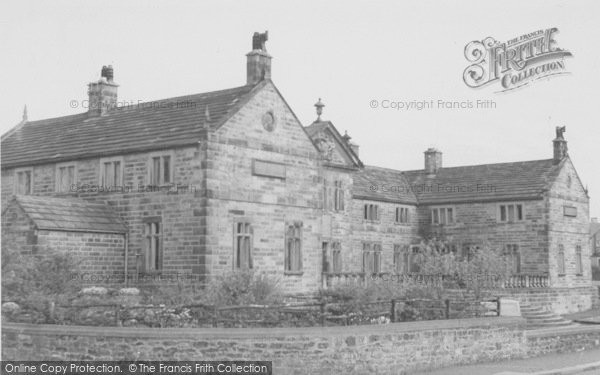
(349, 53)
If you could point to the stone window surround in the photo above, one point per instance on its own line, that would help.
(297, 225)
(101, 170)
(160, 249)
(57, 167)
(507, 204)
(406, 220)
(237, 234)
(578, 260)
(376, 249)
(150, 167)
(561, 261)
(371, 213)
(16, 179)
(445, 209)
(330, 247)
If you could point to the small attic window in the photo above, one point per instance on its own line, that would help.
(23, 181)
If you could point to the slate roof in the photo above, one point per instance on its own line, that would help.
(382, 184)
(153, 125)
(70, 214)
(486, 182)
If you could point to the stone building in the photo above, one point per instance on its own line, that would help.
(213, 182)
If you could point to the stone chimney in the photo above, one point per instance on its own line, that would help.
(102, 94)
(560, 145)
(594, 220)
(433, 160)
(258, 65)
(352, 145)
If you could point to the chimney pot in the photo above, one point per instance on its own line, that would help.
(560, 145)
(258, 61)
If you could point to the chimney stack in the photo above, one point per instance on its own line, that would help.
(102, 94)
(594, 220)
(433, 160)
(258, 65)
(560, 145)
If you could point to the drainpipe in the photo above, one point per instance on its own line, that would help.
(126, 258)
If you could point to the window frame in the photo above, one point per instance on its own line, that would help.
(287, 264)
(236, 250)
(370, 209)
(513, 251)
(57, 167)
(338, 196)
(16, 180)
(507, 206)
(149, 239)
(150, 168)
(101, 181)
(371, 251)
(449, 213)
(401, 215)
(578, 260)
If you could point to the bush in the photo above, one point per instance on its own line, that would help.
(242, 288)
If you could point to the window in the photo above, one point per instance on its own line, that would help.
(332, 258)
(65, 177)
(401, 259)
(402, 215)
(513, 255)
(293, 248)
(371, 258)
(578, 261)
(442, 216)
(511, 212)
(243, 245)
(160, 170)
(111, 172)
(371, 212)
(561, 260)
(336, 257)
(153, 245)
(338, 196)
(23, 181)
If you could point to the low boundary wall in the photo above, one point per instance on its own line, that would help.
(383, 349)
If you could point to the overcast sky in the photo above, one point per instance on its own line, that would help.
(346, 52)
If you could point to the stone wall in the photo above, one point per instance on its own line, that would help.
(477, 223)
(384, 349)
(182, 211)
(398, 348)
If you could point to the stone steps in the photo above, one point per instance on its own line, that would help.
(539, 318)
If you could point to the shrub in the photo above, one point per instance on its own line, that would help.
(242, 288)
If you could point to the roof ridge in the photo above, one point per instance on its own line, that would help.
(481, 165)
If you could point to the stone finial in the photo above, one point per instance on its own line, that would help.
(561, 150)
(259, 40)
(346, 137)
(319, 106)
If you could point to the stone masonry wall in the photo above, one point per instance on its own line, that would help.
(569, 231)
(383, 349)
(237, 193)
(478, 224)
(180, 210)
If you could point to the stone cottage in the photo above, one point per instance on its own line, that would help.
(213, 182)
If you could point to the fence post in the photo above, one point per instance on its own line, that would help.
(118, 316)
(393, 312)
(322, 309)
(447, 312)
(215, 320)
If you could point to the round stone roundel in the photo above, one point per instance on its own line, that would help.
(268, 121)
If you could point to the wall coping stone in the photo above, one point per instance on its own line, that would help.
(555, 331)
(230, 333)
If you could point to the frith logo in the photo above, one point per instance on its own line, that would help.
(515, 63)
